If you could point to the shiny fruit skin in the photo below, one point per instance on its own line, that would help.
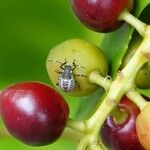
(143, 127)
(100, 15)
(33, 112)
(122, 136)
(87, 56)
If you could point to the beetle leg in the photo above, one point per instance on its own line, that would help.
(63, 65)
(59, 72)
(74, 65)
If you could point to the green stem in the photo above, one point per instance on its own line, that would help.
(72, 134)
(96, 78)
(96, 144)
(136, 23)
(89, 143)
(123, 83)
(137, 99)
(79, 126)
(95, 147)
(110, 101)
(83, 145)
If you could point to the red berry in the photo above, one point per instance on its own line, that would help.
(100, 15)
(33, 112)
(122, 136)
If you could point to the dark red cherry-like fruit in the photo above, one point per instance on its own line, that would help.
(123, 135)
(33, 112)
(100, 15)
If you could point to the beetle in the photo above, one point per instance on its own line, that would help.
(66, 79)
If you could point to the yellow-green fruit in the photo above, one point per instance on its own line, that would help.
(143, 77)
(143, 127)
(87, 58)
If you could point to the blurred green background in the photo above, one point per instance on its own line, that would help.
(28, 30)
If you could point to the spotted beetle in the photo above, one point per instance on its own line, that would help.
(66, 79)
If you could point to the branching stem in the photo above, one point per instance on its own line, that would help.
(79, 126)
(96, 78)
(72, 134)
(122, 85)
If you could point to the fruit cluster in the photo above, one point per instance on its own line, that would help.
(37, 114)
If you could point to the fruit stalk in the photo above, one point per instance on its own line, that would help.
(72, 134)
(125, 79)
(137, 99)
(76, 125)
(133, 21)
(96, 78)
(123, 83)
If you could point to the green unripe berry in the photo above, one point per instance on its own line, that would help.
(143, 77)
(87, 58)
